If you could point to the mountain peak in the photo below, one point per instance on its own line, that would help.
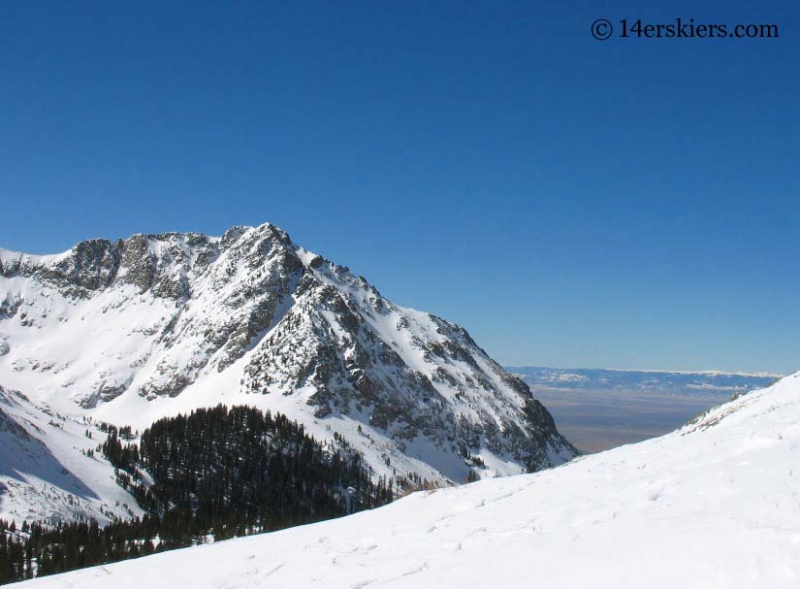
(153, 325)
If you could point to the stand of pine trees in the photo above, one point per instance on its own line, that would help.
(216, 473)
(36, 550)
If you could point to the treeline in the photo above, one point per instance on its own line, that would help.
(35, 550)
(214, 474)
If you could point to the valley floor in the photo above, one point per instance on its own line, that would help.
(597, 420)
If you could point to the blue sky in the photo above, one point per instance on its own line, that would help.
(633, 203)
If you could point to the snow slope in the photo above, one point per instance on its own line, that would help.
(715, 504)
(46, 473)
(130, 331)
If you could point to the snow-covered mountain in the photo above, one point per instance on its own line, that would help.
(133, 330)
(714, 504)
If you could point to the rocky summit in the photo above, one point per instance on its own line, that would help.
(154, 325)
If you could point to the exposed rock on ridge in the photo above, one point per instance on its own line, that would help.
(181, 319)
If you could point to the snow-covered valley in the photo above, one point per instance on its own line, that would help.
(714, 504)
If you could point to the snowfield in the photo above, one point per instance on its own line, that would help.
(715, 504)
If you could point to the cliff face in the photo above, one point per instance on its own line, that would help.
(139, 328)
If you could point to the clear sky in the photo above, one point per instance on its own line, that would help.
(632, 203)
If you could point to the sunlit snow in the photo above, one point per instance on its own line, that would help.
(715, 504)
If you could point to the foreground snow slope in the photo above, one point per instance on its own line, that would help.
(715, 504)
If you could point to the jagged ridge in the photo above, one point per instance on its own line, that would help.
(136, 329)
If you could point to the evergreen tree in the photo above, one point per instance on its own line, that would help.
(219, 472)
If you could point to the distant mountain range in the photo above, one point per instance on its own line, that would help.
(641, 381)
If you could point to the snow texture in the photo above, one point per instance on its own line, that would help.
(714, 504)
(46, 473)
